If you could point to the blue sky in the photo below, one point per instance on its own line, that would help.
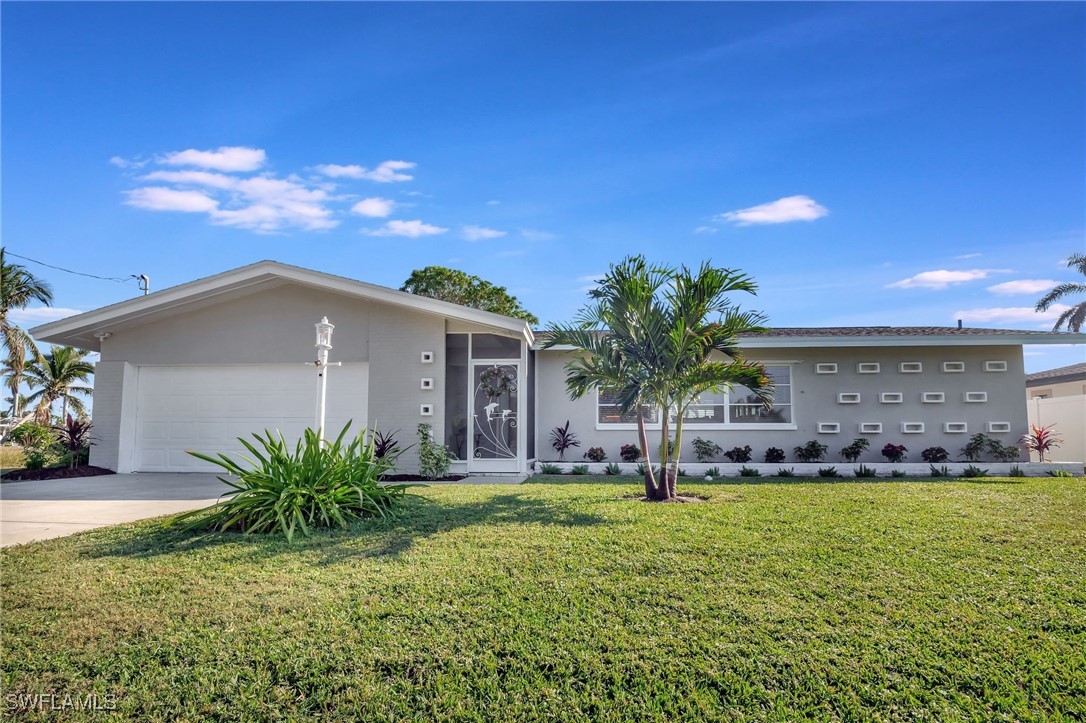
(901, 164)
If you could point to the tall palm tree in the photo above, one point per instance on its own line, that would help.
(1074, 317)
(59, 375)
(662, 336)
(18, 288)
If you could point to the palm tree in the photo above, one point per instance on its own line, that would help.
(662, 336)
(58, 375)
(1074, 317)
(18, 288)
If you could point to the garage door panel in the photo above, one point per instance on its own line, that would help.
(206, 408)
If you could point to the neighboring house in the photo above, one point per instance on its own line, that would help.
(1058, 396)
(197, 365)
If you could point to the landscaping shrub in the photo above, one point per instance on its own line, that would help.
(828, 472)
(546, 468)
(595, 454)
(813, 451)
(563, 439)
(713, 472)
(749, 472)
(1016, 471)
(897, 473)
(774, 455)
(318, 484)
(40, 457)
(739, 454)
(894, 452)
(1051, 473)
(579, 469)
(384, 444)
(934, 454)
(613, 469)
(786, 472)
(973, 471)
(1041, 440)
(705, 450)
(630, 453)
(943, 471)
(864, 471)
(434, 459)
(852, 452)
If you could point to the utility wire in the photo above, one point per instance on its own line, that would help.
(69, 271)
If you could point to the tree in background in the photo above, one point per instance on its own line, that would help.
(438, 282)
(18, 288)
(60, 374)
(1074, 317)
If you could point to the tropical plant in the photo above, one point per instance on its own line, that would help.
(813, 451)
(32, 434)
(738, 455)
(318, 484)
(434, 459)
(852, 452)
(660, 337)
(40, 457)
(943, 471)
(975, 448)
(972, 472)
(705, 450)
(384, 444)
(897, 473)
(745, 471)
(59, 375)
(18, 289)
(864, 471)
(1074, 317)
(1009, 453)
(894, 452)
(612, 469)
(1016, 471)
(1041, 440)
(595, 454)
(547, 468)
(786, 472)
(439, 282)
(580, 469)
(934, 454)
(563, 439)
(774, 455)
(629, 453)
(74, 436)
(713, 472)
(1051, 473)
(828, 472)
(683, 472)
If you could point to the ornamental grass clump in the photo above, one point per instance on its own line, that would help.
(316, 485)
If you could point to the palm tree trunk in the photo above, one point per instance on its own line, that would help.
(651, 489)
(64, 409)
(671, 478)
(663, 490)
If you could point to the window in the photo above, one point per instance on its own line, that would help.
(826, 368)
(955, 427)
(848, 398)
(954, 367)
(995, 366)
(608, 411)
(867, 368)
(829, 428)
(910, 367)
(933, 397)
(870, 427)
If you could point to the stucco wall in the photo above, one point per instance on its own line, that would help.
(815, 400)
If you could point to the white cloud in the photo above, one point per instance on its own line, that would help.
(225, 158)
(967, 256)
(783, 210)
(493, 203)
(536, 235)
(126, 163)
(374, 207)
(40, 314)
(158, 198)
(1023, 286)
(1012, 315)
(940, 279)
(705, 229)
(410, 229)
(387, 172)
(481, 233)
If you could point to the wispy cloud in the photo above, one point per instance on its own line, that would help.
(493, 203)
(1023, 286)
(968, 256)
(410, 229)
(40, 314)
(231, 159)
(159, 198)
(128, 163)
(374, 207)
(387, 172)
(783, 210)
(481, 233)
(941, 278)
(705, 229)
(1012, 315)
(533, 234)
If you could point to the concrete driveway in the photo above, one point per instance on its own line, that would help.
(55, 508)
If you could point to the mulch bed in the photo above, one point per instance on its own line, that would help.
(85, 470)
(416, 478)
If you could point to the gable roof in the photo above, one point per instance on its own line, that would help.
(1070, 373)
(80, 330)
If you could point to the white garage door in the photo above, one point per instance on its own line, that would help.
(206, 408)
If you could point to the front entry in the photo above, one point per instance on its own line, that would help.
(494, 416)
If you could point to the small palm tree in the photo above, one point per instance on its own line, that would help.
(18, 288)
(1074, 317)
(59, 375)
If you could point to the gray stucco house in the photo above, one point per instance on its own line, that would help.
(197, 365)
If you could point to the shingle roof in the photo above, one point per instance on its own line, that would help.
(1070, 373)
(892, 331)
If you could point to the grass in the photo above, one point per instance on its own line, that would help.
(566, 599)
(11, 457)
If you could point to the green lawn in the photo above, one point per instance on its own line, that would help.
(566, 600)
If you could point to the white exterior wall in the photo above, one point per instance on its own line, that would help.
(1068, 413)
(815, 400)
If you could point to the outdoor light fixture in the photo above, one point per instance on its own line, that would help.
(324, 336)
(324, 343)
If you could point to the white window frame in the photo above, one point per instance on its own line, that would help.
(999, 427)
(953, 367)
(626, 425)
(868, 368)
(848, 397)
(910, 367)
(891, 398)
(870, 427)
(826, 368)
(955, 428)
(933, 397)
(912, 427)
(995, 366)
(974, 397)
(829, 427)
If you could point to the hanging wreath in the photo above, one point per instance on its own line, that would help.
(496, 381)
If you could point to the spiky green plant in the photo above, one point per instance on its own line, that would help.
(316, 485)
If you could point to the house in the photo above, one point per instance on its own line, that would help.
(198, 365)
(1058, 397)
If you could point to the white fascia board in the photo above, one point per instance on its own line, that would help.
(202, 289)
(876, 341)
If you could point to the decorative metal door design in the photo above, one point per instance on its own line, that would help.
(494, 411)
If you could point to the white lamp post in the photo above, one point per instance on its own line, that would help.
(324, 343)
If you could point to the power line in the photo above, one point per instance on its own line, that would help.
(69, 271)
